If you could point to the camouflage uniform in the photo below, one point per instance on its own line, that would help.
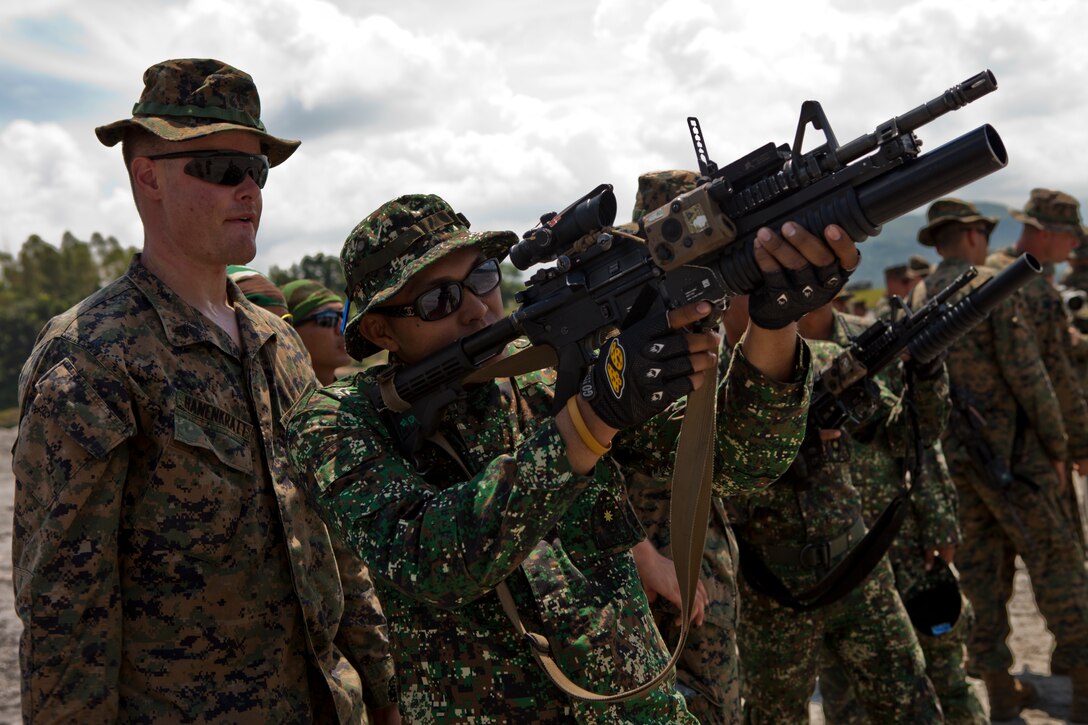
(439, 541)
(877, 467)
(1000, 368)
(165, 565)
(868, 630)
(708, 673)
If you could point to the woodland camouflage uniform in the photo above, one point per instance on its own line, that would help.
(1000, 370)
(438, 539)
(165, 566)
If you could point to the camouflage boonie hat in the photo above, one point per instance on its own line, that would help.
(1049, 210)
(194, 97)
(896, 271)
(918, 266)
(397, 241)
(946, 211)
(658, 188)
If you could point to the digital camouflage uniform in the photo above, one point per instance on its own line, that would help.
(438, 541)
(868, 630)
(999, 367)
(877, 467)
(708, 673)
(166, 567)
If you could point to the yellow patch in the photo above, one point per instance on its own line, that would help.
(614, 369)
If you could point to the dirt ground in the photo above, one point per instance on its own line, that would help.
(1031, 642)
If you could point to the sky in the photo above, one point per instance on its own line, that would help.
(512, 109)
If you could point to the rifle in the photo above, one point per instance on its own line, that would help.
(698, 247)
(968, 425)
(843, 392)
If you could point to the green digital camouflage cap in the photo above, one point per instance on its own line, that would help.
(1050, 210)
(397, 241)
(194, 97)
(658, 188)
(947, 211)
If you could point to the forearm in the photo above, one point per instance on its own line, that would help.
(772, 352)
(453, 545)
(761, 422)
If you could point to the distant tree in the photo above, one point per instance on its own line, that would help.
(323, 268)
(511, 284)
(42, 281)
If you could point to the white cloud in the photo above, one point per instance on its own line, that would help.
(511, 111)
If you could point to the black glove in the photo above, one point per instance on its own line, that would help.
(787, 294)
(639, 373)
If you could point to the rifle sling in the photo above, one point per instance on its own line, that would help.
(690, 514)
(861, 559)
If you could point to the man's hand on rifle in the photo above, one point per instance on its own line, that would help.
(638, 374)
(802, 272)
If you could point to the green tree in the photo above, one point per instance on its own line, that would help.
(42, 281)
(323, 268)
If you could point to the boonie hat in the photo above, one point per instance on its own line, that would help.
(193, 97)
(658, 188)
(397, 241)
(1049, 210)
(918, 266)
(947, 211)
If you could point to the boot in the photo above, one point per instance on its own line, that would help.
(1008, 695)
(1078, 712)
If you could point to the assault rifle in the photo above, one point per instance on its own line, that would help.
(843, 392)
(699, 246)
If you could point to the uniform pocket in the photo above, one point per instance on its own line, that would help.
(202, 487)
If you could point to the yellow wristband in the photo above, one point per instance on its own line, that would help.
(588, 438)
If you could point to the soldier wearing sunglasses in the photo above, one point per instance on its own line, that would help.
(318, 313)
(505, 492)
(167, 568)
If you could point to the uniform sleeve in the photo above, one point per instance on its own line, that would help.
(1024, 372)
(70, 463)
(936, 501)
(362, 635)
(931, 402)
(761, 424)
(445, 547)
(1051, 326)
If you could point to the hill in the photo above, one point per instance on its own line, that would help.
(899, 239)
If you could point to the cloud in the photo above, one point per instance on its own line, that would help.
(512, 111)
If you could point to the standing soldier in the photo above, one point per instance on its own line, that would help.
(166, 566)
(926, 543)
(800, 528)
(707, 674)
(506, 511)
(1006, 448)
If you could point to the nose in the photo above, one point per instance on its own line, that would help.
(472, 307)
(248, 189)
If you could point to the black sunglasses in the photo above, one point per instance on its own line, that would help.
(325, 318)
(445, 299)
(227, 168)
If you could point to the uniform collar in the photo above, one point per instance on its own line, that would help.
(184, 325)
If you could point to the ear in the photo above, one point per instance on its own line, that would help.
(377, 329)
(145, 178)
